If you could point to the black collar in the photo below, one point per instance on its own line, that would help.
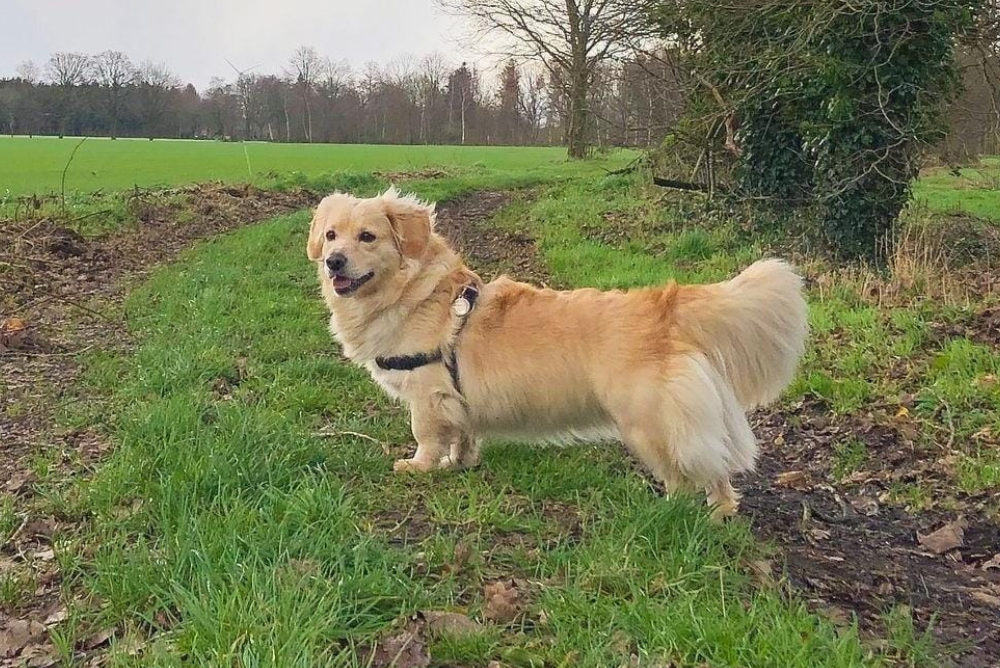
(462, 307)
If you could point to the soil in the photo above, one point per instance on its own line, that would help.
(844, 544)
(849, 550)
(60, 298)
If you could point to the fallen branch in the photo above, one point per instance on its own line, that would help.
(329, 434)
(680, 185)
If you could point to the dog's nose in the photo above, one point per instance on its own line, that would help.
(336, 262)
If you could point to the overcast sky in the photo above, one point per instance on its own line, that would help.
(194, 37)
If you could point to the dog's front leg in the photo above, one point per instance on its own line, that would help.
(436, 431)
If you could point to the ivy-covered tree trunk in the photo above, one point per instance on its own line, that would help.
(835, 100)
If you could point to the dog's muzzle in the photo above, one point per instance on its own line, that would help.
(343, 284)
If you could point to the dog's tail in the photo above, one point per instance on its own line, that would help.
(753, 328)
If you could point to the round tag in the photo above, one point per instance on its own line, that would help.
(461, 307)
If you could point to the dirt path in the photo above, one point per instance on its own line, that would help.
(847, 549)
(60, 299)
(465, 222)
(842, 546)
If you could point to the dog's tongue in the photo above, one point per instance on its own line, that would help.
(341, 282)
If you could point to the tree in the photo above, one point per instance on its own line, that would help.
(29, 72)
(68, 72)
(533, 104)
(113, 72)
(154, 85)
(509, 120)
(833, 100)
(306, 65)
(462, 89)
(571, 37)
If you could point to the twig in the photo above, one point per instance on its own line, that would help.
(66, 169)
(71, 302)
(72, 353)
(246, 155)
(680, 185)
(330, 434)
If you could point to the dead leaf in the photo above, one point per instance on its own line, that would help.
(779, 439)
(453, 624)
(819, 534)
(58, 615)
(985, 382)
(992, 563)
(39, 656)
(762, 572)
(794, 479)
(98, 639)
(946, 538)
(17, 635)
(988, 599)
(44, 555)
(503, 602)
(865, 505)
(13, 334)
(403, 650)
(18, 482)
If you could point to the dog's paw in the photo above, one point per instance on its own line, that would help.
(413, 466)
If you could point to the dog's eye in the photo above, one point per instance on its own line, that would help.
(330, 235)
(367, 237)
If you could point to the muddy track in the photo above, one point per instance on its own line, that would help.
(61, 297)
(849, 550)
(843, 548)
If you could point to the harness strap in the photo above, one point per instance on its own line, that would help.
(408, 362)
(461, 307)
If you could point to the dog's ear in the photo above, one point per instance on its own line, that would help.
(412, 221)
(314, 246)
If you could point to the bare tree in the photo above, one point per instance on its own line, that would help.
(432, 74)
(533, 103)
(249, 94)
(572, 37)
(67, 71)
(113, 72)
(30, 72)
(306, 66)
(154, 84)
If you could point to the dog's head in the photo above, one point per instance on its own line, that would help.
(362, 243)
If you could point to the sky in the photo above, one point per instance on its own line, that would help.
(196, 37)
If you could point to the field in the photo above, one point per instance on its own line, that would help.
(198, 478)
(35, 165)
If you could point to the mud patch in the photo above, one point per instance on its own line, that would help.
(490, 250)
(849, 549)
(60, 299)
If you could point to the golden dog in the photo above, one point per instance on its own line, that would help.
(670, 371)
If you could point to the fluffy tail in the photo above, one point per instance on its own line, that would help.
(752, 328)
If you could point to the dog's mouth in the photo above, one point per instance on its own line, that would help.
(345, 285)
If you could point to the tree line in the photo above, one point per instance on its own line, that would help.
(317, 99)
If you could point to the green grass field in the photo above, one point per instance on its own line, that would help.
(226, 529)
(35, 165)
(279, 547)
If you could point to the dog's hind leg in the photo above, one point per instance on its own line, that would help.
(464, 452)
(686, 426)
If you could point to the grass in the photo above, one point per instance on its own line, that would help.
(224, 529)
(35, 165)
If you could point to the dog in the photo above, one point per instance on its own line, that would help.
(670, 371)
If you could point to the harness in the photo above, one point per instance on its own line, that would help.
(461, 307)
